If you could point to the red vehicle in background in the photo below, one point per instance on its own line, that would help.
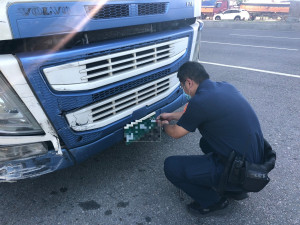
(211, 7)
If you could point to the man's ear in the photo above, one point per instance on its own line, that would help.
(189, 83)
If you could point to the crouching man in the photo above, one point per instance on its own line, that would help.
(226, 122)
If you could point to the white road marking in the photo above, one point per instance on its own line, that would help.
(252, 69)
(248, 35)
(254, 46)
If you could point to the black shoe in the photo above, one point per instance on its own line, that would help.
(194, 207)
(237, 195)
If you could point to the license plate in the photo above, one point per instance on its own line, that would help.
(143, 130)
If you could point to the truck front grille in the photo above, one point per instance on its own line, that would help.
(120, 63)
(126, 10)
(100, 71)
(115, 108)
(109, 11)
(152, 8)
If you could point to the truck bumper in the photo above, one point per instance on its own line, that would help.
(36, 166)
(84, 152)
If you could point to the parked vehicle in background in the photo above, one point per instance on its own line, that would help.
(232, 14)
(211, 7)
(74, 73)
(269, 10)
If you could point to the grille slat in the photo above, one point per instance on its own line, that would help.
(106, 65)
(122, 105)
(146, 89)
(127, 102)
(118, 106)
(144, 98)
(118, 110)
(98, 116)
(109, 72)
(101, 109)
(103, 117)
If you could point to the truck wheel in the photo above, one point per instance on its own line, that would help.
(203, 16)
(237, 18)
(218, 18)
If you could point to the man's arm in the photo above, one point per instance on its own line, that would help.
(175, 131)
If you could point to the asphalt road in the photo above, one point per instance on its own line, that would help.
(126, 184)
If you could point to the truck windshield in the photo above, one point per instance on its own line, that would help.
(218, 4)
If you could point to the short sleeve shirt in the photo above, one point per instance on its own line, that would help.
(225, 119)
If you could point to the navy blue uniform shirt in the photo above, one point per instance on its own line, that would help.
(225, 119)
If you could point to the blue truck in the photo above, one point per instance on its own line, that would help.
(73, 74)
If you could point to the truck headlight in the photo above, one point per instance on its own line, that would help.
(22, 151)
(15, 118)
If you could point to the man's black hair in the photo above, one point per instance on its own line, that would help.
(193, 70)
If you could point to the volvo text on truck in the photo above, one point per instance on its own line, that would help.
(74, 73)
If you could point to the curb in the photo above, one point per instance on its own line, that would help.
(263, 25)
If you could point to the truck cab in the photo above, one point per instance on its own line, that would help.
(74, 73)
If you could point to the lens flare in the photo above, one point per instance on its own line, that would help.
(98, 5)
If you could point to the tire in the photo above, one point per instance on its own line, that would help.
(237, 18)
(218, 18)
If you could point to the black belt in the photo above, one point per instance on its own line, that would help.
(221, 158)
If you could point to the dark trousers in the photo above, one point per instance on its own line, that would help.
(196, 175)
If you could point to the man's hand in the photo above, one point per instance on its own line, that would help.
(169, 116)
(162, 122)
(164, 117)
(174, 131)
